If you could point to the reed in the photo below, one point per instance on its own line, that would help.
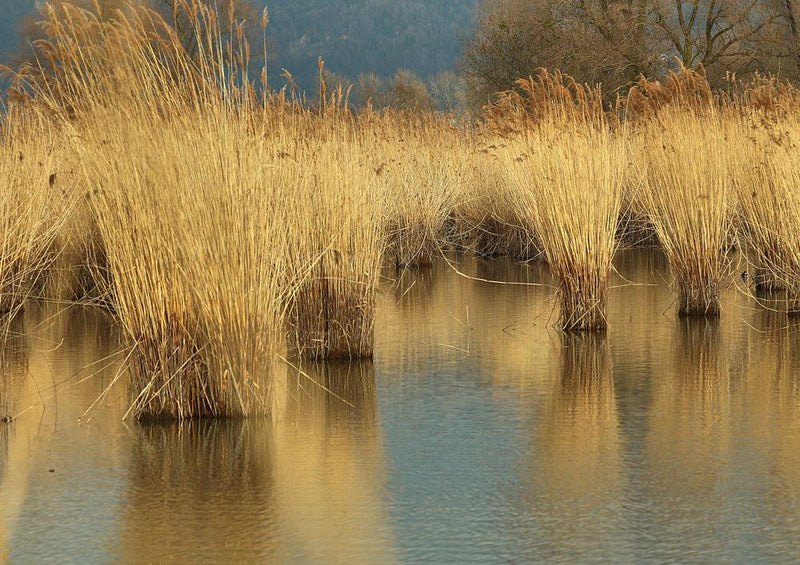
(35, 203)
(421, 170)
(232, 227)
(184, 199)
(485, 219)
(335, 243)
(568, 181)
(684, 173)
(194, 261)
(767, 184)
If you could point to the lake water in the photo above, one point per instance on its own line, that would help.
(479, 434)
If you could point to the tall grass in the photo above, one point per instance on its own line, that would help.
(421, 169)
(35, 202)
(222, 217)
(684, 166)
(568, 181)
(194, 258)
(335, 245)
(768, 189)
(184, 195)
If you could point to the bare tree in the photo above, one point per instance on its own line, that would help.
(595, 41)
(613, 41)
(721, 35)
(447, 90)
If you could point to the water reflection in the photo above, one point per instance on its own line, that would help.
(479, 434)
(329, 467)
(307, 487)
(768, 415)
(689, 440)
(49, 474)
(577, 472)
(13, 362)
(197, 489)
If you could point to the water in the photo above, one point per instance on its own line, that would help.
(479, 434)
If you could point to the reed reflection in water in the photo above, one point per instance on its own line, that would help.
(577, 474)
(307, 487)
(55, 467)
(479, 434)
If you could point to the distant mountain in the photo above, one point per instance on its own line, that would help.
(353, 36)
(11, 12)
(357, 36)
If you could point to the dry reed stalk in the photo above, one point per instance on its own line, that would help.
(420, 171)
(685, 186)
(486, 220)
(568, 181)
(547, 97)
(685, 89)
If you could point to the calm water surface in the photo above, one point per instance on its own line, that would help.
(479, 434)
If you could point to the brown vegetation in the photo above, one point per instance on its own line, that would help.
(230, 228)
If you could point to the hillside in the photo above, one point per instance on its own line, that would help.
(353, 36)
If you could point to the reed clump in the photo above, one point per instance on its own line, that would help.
(685, 185)
(545, 97)
(194, 260)
(768, 189)
(184, 199)
(335, 245)
(568, 181)
(35, 203)
(485, 220)
(421, 171)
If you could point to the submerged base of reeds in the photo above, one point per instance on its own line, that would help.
(171, 379)
(700, 301)
(332, 319)
(411, 246)
(583, 304)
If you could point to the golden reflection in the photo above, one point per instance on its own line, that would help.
(13, 480)
(768, 408)
(577, 473)
(329, 468)
(423, 317)
(689, 439)
(306, 486)
(48, 379)
(197, 487)
(438, 316)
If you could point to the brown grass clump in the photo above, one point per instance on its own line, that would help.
(686, 188)
(184, 196)
(485, 219)
(685, 89)
(549, 96)
(420, 168)
(568, 181)
(335, 245)
(194, 260)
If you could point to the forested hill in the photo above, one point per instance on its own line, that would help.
(353, 36)
(378, 36)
